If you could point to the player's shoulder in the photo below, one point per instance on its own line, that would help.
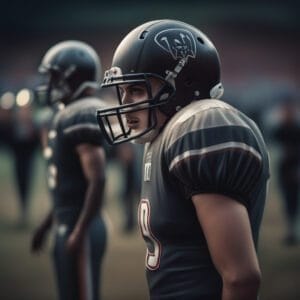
(208, 112)
(210, 122)
(204, 114)
(78, 122)
(80, 111)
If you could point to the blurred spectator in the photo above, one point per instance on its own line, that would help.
(19, 133)
(6, 120)
(287, 134)
(24, 145)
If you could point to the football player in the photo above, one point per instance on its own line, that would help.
(76, 169)
(205, 166)
(286, 133)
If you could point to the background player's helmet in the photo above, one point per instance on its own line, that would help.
(72, 67)
(178, 54)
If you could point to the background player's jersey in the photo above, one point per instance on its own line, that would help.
(208, 147)
(75, 124)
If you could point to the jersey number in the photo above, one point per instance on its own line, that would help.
(52, 176)
(153, 245)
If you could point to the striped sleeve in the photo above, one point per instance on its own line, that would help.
(83, 129)
(221, 158)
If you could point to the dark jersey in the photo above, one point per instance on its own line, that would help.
(207, 147)
(73, 125)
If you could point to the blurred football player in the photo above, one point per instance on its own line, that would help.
(205, 166)
(286, 133)
(25, 142)
(76, 169)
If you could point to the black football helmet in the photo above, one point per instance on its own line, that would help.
(71, 67)
(176, 53)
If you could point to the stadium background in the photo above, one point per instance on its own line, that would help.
(259, 46)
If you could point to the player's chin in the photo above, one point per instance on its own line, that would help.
(145, 138)
(135, 131)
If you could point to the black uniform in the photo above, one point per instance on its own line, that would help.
(75, 124)
(207, 147)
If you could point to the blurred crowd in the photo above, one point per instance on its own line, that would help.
(20, 134)
(276, 109)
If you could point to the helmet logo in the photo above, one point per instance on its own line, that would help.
(179, 43)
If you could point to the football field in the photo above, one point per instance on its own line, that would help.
(24, 276)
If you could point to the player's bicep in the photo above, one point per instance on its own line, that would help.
(92, 160)
(227, 229)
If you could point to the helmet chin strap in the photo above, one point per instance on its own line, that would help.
(171, 75)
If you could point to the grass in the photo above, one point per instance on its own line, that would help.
(27, 277)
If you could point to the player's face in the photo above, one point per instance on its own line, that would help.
(135, 93)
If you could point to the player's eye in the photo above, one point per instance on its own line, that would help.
(132, 93)
(137, 90)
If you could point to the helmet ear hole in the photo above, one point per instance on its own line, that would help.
(200, 40)
(143, 34)
(166, 92)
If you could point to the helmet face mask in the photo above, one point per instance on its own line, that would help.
(113, 121)
(178, 54)
(70, 67)
(113, 124)
(54, 89)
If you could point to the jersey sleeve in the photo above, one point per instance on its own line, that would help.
(215, 154)
(82, 128)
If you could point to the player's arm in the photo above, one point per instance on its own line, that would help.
(40, 233)
(226, 226)
(92, 160)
